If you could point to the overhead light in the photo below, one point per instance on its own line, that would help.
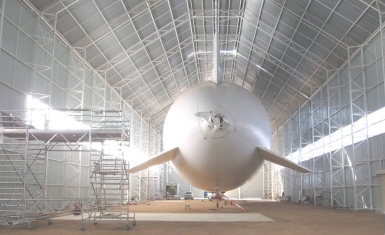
(232, 52)
(203, 52)
(261, 68)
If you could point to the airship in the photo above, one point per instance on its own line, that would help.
(217, 135)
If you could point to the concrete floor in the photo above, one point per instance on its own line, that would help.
(188, 217)
(282, 218)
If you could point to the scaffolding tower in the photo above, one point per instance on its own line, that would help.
(22, 173)
(42, 169)
(108, 197)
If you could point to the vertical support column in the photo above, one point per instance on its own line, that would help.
(325, 125)
(90, 161)
(319, 120)
(305, 126)
(313, 156)
(270, 173)
(45, 175)
(52, 62)
(82, 114)
(83, 77)
(132, 129)
(274, 186)
(300, 151)
(140, 146)
(362, 177)
(148, 157)
(80, 175)
(280, 143)
(155, 173)
(2, 7)
(263, 181)
(330, 155)
(382, 36)
(270, 177)
(167, 171)
(367, 169)
(381, 174)
(278, 138)
(162, 168)
(105, 92)
(291, 157)
(337, 145)
(282, 148)
(277, 143)
(24, 176)
(380, 6)
(268, 180)
(352, 119)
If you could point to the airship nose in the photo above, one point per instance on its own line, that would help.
(211, 153)
(214, 124)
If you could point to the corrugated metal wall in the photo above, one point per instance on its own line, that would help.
(35, 62)
(252, 189)
(344, 176)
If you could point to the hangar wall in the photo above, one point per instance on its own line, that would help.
(252, 189)
(338, 135)
(36, 62)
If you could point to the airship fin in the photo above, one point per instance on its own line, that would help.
(274, 158)
(156, 160)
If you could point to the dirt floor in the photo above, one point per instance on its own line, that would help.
(289, 218)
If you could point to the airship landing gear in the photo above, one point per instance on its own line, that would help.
(233, 202)
(217, 197)
(220, 196)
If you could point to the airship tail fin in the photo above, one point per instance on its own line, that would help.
(156, 160)
(274, 158)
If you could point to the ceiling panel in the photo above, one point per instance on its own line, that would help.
(155, 50)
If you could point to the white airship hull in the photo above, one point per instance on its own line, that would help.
(216, 137)
(217, 163)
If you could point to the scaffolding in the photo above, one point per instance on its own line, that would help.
(22, 173)
(108, 199)
(38, 157)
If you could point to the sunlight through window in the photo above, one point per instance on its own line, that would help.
(41, 116)
(372, 125)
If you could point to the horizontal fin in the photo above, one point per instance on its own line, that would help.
(275, 158)
(156, 160)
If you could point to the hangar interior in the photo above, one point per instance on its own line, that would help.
(83, 80)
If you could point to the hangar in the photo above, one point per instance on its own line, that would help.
(86, 85)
